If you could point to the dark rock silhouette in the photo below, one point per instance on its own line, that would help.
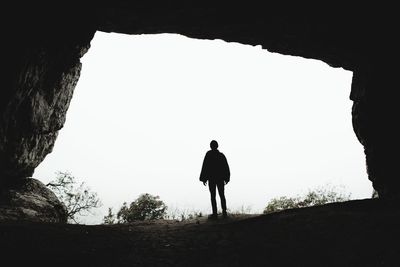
(215, 170)
(43, 46)
(31, 200)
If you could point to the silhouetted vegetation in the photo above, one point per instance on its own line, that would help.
(109, 218)
(77, 197)
(145, 207)
(183, 214)
(149, 207)
(318, 196)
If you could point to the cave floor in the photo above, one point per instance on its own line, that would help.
(354, 233)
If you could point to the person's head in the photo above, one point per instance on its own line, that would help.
(214, 145)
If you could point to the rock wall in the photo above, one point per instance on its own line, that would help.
(44, 46)
(29, 199)
(375, 114)
(43, 68)
(35, 109)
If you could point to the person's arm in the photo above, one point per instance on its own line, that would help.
(203, 174)
(227, 171)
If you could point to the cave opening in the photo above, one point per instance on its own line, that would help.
(147, 106)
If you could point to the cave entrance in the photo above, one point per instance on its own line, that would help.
(147, 106)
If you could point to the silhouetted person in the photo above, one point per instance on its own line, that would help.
(215, 170)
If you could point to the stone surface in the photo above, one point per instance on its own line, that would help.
(33, 108)
(29, 199)
(375, 112)
(44, 44)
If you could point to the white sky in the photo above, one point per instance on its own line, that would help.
(147, 106)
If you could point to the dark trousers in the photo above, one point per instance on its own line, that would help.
(212, 185)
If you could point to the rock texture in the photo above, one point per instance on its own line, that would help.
(44, 45)
(34, 106)
(375, 112)
(29, 199)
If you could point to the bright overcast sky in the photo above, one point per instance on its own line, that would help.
(147, 106)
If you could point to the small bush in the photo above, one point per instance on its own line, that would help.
(145, 207)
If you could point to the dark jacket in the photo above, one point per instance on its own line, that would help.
(215, 167)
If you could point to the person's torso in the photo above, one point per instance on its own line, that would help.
(216, 165)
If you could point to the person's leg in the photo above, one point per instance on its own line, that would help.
(212, 186)
(221, 193)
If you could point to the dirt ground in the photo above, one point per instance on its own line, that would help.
(354, 233)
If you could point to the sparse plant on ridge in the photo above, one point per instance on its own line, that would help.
(318, 196)
(77, 197)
